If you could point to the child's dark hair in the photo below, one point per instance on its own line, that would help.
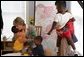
(61, 3)
(38, 38)
(26, 43)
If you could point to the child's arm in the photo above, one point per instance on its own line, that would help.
(53, 27)
(22, 38)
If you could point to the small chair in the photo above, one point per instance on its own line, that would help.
(38, 30)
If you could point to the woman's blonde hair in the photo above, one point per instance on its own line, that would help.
(18, 20)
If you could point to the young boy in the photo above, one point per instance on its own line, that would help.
(38, 50)
(64, 25)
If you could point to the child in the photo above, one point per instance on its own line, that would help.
(19, 33)
(38, 50)
(64, 25)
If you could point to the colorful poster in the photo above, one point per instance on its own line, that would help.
(44, 16)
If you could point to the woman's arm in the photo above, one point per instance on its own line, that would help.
(22, 40)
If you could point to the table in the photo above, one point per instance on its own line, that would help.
(12, 54)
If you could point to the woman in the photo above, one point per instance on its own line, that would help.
(19, 34)
(64, 25)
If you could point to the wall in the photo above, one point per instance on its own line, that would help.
(29, 10)
(77, 12)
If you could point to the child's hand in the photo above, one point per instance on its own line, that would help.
(45, 36)
(59, 32)
(48, 33)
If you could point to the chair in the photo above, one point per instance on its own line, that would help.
(1, 52)
(38, 30)
(7, 48)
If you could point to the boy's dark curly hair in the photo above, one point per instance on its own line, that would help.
(61, 3)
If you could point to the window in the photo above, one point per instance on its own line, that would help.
(11, 10)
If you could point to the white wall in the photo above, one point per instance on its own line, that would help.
(77, 12)
(29, 10)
